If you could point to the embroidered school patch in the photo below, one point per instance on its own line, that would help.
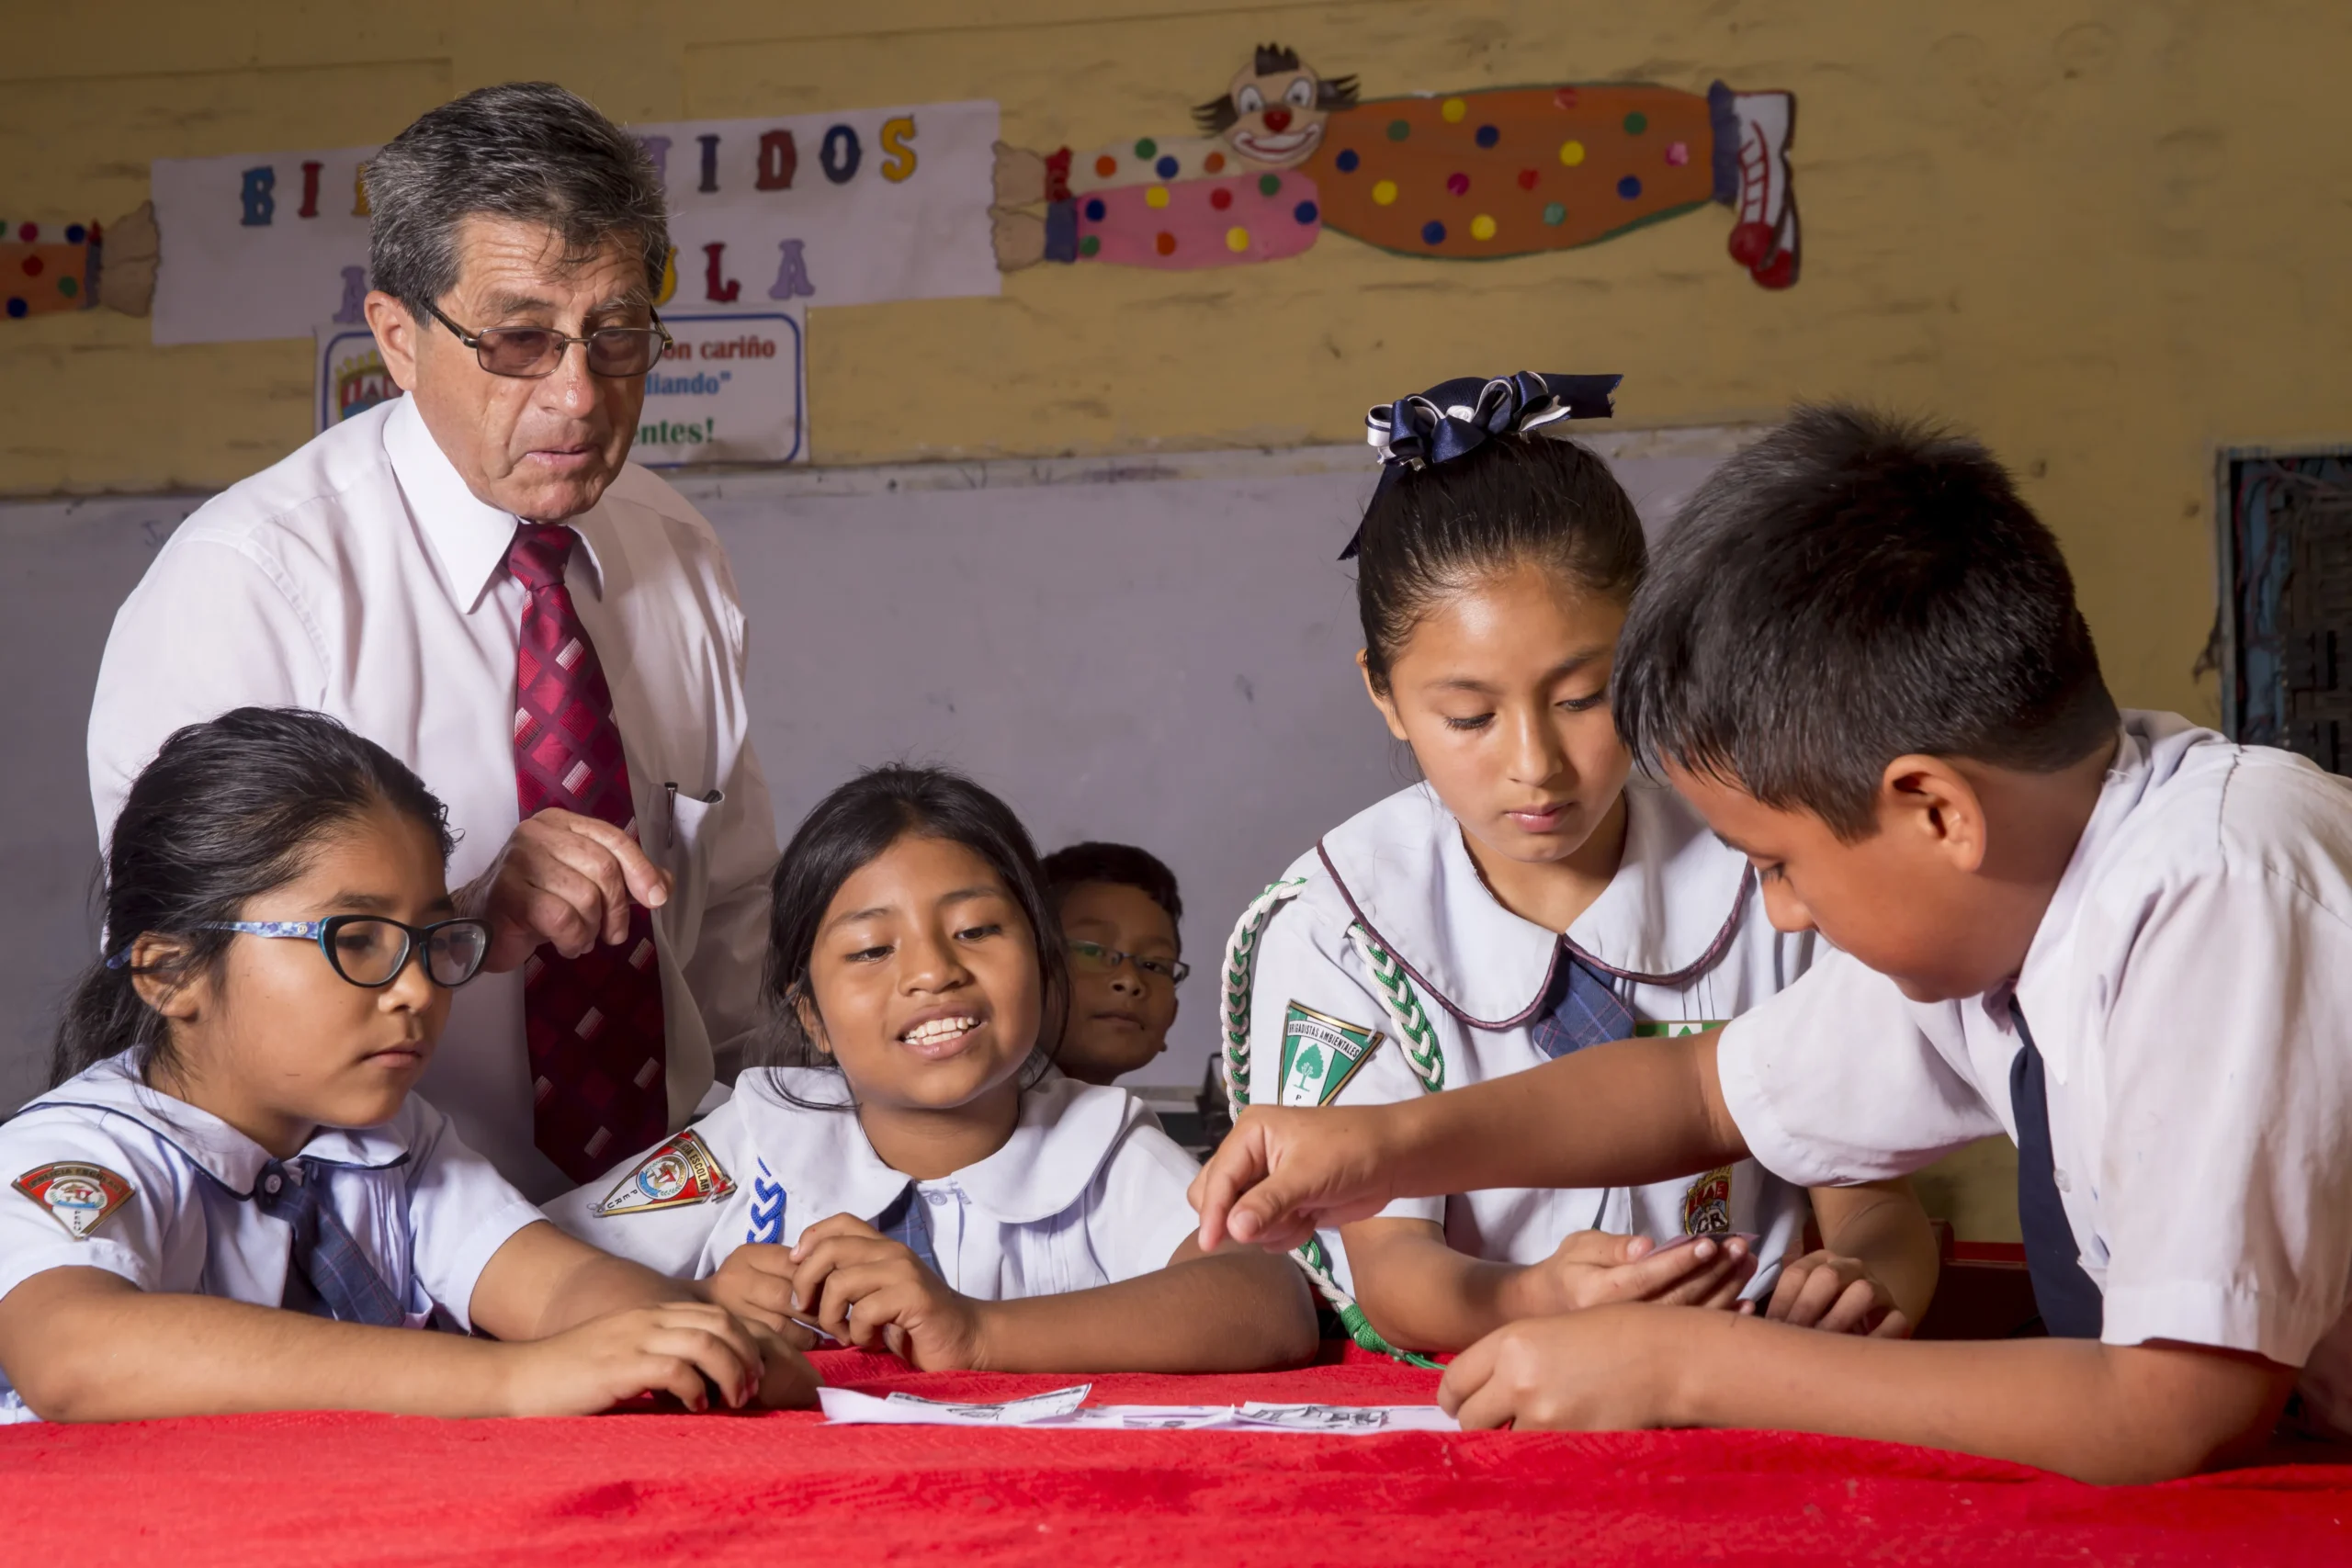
(77, 1196)
(1321, 1053)
(1675, 1028)
(1706, 1207)
(680, 1171)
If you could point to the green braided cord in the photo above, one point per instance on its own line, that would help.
(1414, 1035)
(1239, 975)
(1240, 979)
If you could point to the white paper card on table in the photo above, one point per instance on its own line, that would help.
(1065, 1409)
(1346, 1419)
(847, 1406)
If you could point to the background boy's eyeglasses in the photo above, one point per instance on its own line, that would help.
(530, 353)
(1094, 955)
(372, 950)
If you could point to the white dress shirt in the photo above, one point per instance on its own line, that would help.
(1087, 1191)
(2189, 989)
(361, 577)
(178, 1216)
(1401, 869)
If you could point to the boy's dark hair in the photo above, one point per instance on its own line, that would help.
(1852, 589)
(1123, 865)
(1436, 530)
(227, 811)
(857, 823)
(1331, 92)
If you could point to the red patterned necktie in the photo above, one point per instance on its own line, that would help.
(593, 1023)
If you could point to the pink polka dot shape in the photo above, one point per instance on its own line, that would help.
(1678, 154)
(1458, 183)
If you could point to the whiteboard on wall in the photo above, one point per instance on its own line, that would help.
(1156, 650)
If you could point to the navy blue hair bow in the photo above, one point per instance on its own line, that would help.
(1458, 417)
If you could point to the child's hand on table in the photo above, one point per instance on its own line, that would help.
(1822, 1290)
(867, 1291)
(1594, 1269)
(1602, 1371)
(696, 1352)
(754, 1282)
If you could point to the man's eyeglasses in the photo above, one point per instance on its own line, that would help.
(371, 951)
(530, 353)
(1095, 956)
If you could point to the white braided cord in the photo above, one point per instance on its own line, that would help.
(1403, 1005)
(1237, 978)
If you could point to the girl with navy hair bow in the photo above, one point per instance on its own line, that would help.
(1528, 898)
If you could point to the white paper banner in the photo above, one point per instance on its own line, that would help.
(1061, 1410)
(729, 391)
(850, 209)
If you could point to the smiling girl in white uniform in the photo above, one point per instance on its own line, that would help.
(234, 1202)
(1527, 899)
(930, 1187)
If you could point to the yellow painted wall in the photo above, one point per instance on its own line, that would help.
(2111, 237)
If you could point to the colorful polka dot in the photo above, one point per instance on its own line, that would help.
(1488, 136)
(16, 308)
(1146, 148)
(1214, 162)
(1220, 198)
(1678, 154)
(1090, 246)
(1571, 154)
(1630, 187)
(1398, 130)
(1268, 185)
(1095, 210)
(75, 233)
(1457, 184)
(29, 233)
(1384, 193)
(1452, 110)
(1236, 238)
(1165, 243)
(1106, 165)
(1527, 178)
(1564, 97)
(1155, 196)
(32, 266)
(1346, 159)
(1433, 232)
(1482, 227)
(1167, 166)
(68, 286)
(1554, 214)
(1304, 212)
(1636, 123)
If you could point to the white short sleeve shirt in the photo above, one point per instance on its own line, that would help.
(361, 578)
(104, 1172)
(2189, 989)
(1401, 871)
(1087, 1191)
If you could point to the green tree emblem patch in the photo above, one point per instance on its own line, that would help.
(1321, 1053)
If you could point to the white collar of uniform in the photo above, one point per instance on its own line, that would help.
(1404, 872)
(468, 535)
(115, 1088)
(1065, 1131)
(2149, 746)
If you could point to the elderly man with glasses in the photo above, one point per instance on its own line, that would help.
(473, 576)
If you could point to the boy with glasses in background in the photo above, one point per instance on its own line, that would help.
(1120, 913)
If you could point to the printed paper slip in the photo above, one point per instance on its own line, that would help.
(1065, 1408)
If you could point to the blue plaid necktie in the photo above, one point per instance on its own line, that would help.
(2072, 1306)
(908, 1222)
(1580, 1009)
(327, 1275)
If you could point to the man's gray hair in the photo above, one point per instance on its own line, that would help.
(529, 151)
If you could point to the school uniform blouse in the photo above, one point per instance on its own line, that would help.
(105, 1172)
(2188, 990)
(1087, 1191)
(361, 577)
(1484, 975)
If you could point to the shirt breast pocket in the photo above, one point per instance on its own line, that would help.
(686, 851)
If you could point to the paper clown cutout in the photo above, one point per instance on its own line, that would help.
(78, 266)
(1477, 175)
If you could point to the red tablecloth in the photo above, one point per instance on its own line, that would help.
(307, 1491)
